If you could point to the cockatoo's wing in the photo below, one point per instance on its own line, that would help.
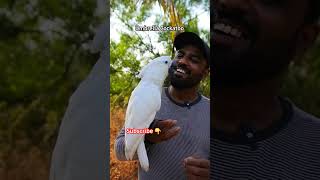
(143, 105)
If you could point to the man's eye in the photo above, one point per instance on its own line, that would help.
(179, 55)
(195, 59)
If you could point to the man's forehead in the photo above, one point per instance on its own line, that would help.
(190, 49)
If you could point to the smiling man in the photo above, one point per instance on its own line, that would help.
(255, 133)
(181, 149)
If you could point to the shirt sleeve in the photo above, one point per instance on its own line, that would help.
(119, 145)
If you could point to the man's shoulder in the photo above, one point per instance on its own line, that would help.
(304, 134)
(305, 129)
(301, 116)
(204, 98)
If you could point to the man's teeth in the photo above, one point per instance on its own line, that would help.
(228, 29)
(181, 71)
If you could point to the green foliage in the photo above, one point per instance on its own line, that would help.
(302, 85)
(43, 58)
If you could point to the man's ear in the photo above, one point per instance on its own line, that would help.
(206, 72)
(306, 38)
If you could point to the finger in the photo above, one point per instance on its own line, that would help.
(197, 171)
(163, 124)
(171, 133)
(204, 163)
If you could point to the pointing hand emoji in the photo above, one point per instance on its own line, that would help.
(157, 130)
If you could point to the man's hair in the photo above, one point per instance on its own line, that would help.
(313, 12)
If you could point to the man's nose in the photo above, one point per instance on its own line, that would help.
(182, 61)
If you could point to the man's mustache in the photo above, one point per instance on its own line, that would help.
(174, 66)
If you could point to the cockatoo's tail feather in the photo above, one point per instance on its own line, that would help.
(143, 158)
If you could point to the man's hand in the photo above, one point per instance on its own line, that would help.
(197, 168)
(168, 130)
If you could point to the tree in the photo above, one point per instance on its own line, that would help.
(44, 55)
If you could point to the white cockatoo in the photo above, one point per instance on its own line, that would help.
(144, 102)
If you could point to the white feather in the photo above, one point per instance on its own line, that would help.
(144, 102)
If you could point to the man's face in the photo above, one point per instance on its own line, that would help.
(188, 68)
(254, 40)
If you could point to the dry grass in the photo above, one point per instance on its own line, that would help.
(119, 169)
(32, 164)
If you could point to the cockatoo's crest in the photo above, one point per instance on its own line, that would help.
(156, 68)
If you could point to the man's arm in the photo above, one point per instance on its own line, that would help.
(168, 131)
(119, 147)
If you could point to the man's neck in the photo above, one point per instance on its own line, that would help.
(183, 95)
(256, 107)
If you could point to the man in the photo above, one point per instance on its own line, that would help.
(181, 149)
(255, 133)
(80, 152)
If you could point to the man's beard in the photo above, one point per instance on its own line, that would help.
(182, 83)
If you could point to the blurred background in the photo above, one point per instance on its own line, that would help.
(130, 50)
(44, 55)
(302, 84)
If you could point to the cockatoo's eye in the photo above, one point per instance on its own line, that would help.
(166, 62)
